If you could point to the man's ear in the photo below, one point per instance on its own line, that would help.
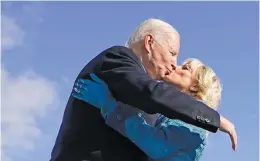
(148, 42)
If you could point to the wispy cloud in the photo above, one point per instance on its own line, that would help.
(25, 97)
(11, 34)
(32, 12)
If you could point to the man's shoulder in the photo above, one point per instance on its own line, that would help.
(120, 51)
(118, 48)
(121, 55)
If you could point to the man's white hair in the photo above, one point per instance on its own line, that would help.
(162, 31)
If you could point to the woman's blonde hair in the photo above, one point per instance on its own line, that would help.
(208, 87)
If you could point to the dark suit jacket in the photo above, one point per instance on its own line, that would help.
(83, 130)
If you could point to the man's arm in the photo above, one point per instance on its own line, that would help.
(156, 142)
(129, 83)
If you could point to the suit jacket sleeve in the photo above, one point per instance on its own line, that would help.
(157, 142)
(129, 83)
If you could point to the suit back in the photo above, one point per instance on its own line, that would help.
(83, 130)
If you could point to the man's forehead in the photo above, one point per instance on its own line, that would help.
(175, 49)
(174, 45)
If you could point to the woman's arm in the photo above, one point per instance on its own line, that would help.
(156, 142)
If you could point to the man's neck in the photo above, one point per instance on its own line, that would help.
(136, 50)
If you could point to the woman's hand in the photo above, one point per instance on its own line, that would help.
(95, 93)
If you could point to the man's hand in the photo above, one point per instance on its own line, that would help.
(227, 127)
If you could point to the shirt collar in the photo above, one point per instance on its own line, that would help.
(144, 68)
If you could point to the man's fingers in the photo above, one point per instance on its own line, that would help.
(233, 137)
(227, 127)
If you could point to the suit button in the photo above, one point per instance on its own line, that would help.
(207, 120)
(198, 117)
(119, 117)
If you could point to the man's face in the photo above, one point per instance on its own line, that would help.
(162, 57)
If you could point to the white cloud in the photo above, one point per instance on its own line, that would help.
(11, 34)
(65, 79)
(24, 98)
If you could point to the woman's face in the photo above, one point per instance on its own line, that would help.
(184, 76)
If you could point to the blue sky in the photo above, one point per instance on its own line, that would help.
(45, 45)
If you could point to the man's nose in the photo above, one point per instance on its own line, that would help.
(173, 66)
(174, 61)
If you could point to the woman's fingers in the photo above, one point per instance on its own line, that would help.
(77, 95)
(81, 86)
(96, 79)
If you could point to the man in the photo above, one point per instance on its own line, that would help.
(131, 75)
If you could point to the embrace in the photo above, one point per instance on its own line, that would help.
(134, 103)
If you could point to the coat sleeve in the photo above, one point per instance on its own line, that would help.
(130, 84)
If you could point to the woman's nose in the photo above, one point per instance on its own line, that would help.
(178, 69)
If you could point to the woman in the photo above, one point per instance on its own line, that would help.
(168, 139)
